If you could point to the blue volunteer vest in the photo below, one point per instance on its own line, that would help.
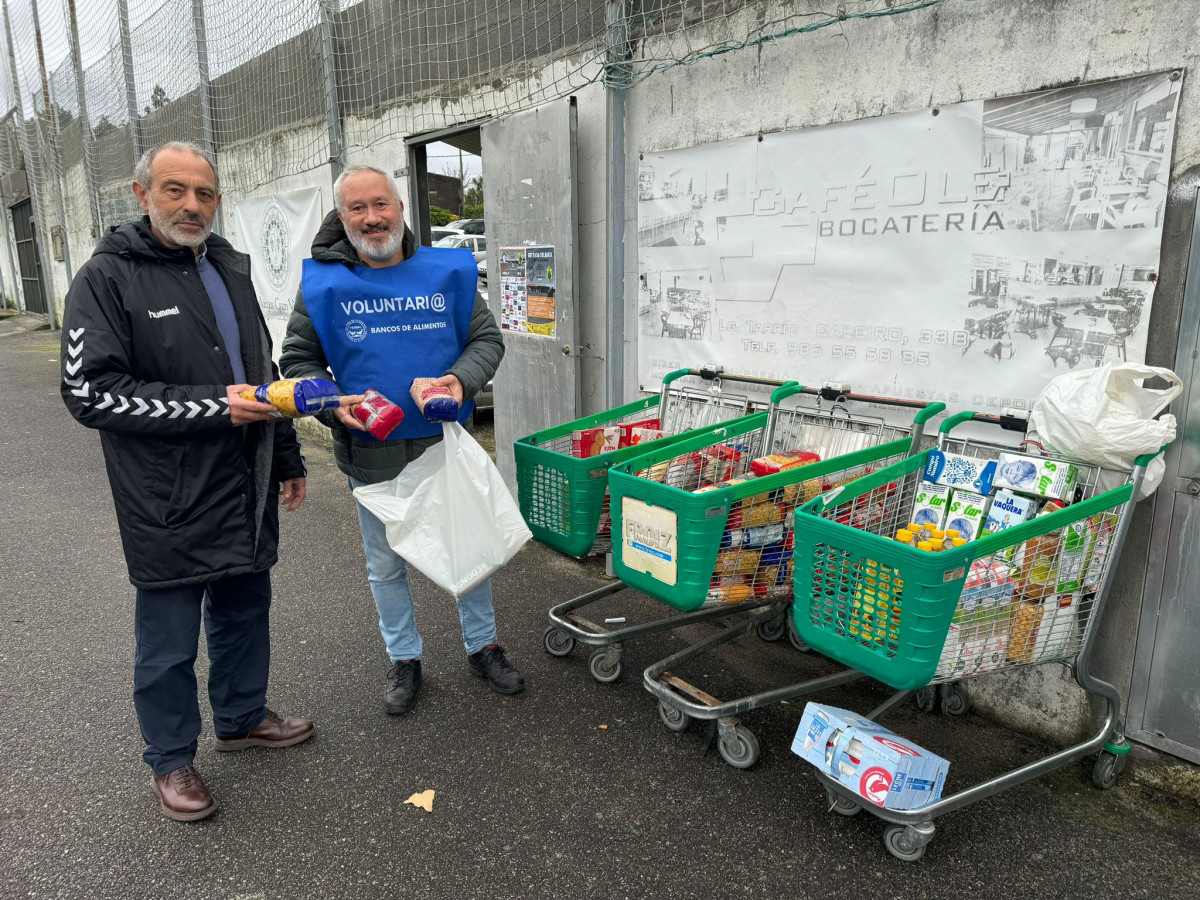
(381, 328)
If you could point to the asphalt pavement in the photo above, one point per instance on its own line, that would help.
(572, 788)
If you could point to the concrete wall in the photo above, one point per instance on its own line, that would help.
(945, 54)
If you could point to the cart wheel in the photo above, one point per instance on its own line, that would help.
(794, 636)
(740, 751)
(557, 642)
(674, 718)
(902, 843)
(772, 629)
(843, 806)
(955, 700)
(926, 698)
(1108, 766)
(604, 669)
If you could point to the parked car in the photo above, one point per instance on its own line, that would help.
(476, 243)
(466, 226)
(440, 231)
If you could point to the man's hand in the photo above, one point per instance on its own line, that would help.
(243, 412)
(455, 386)
(345, 416)
(292, 493)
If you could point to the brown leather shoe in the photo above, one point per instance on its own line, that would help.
(183, 796)
(273, 731)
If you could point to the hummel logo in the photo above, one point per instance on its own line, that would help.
(173, 311)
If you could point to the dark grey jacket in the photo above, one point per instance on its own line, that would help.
(302, 357)
(144, 364)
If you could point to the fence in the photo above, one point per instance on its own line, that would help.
(86, 86)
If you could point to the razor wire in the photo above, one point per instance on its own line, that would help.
(282, 89)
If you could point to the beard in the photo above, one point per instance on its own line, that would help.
(376, 250)
(168, 226)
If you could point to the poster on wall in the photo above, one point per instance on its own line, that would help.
(966, 254)
(527, 303)
(277, 233)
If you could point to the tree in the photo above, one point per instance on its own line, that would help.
(439, 216)
(474, 193)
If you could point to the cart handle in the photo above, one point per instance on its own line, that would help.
(933, 409)
(788, 389)
(954, 421)
(1146, 458)
(674, 376)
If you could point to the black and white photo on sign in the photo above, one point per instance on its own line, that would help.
(965, 254)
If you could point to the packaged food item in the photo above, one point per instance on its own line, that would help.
(644, 435)
(719, 463)
(1035, 565)
(778, 462)
(1008, 510)
(1027, 617)
(957, 471)
(801, 492)
(752, 537)
(436, 402)
(1033, 475)
(929, 507)
(926, 546)
(904, 536)
(737, 562)
(1077, 539)
(296, 397)
(989, 582)
(594, 441)
(1104, 529)
(657, 472)
(627, 429)
(876, 764)
(761, 512)
(965, 512)
(378, 414)
(731, 589)
(1056, 630)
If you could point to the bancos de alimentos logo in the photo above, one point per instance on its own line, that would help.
(356, 330)
(276, 241)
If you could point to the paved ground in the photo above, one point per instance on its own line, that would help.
(534, 797)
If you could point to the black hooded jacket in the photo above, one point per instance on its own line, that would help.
(144, 363)
(303, 357)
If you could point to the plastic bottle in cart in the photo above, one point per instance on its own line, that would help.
(927, 546)
(904, 536)
(1037, 560)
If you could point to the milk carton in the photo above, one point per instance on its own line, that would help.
(1056, 631)
(1009, 510)
(1031, 475)
(1077, 541)
(957, 471)
(929, 508)
(1104, 530)
(966, 513)
(874, 763)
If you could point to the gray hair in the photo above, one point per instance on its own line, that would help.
(362, 170)
(141, 172)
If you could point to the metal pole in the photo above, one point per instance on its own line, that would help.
(88, 139)
(332, 111)
(206, 104)
(616, 79)
(55, 163)
(135, 124)
(18, 122)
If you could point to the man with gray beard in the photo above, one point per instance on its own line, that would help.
(379, 311)
(161, 334)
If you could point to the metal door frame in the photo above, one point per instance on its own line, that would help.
(42, 294)
(1174, 484)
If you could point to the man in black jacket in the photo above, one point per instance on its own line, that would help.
(380, 311)
(161, 333)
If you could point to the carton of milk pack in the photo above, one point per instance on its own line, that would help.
(874, 763)
(1032, 475)
(966, 513)
(929, 506)
(957, 471)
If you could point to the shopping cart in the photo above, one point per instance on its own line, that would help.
(1028, 595)
(689, 543)
(565, 500)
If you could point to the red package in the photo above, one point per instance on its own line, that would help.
(719, 463)
(626, 439)
(594, 441)
(379, 414)
(779, 462)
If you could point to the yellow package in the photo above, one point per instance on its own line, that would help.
(760, 512)
(1020, 643)
(737, 562)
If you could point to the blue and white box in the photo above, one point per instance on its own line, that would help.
(876, 764)
(1032, 475)
(957, 471)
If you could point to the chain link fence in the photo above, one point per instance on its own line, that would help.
(282, 88)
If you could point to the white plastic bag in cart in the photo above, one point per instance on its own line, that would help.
(1105, 416)
(449, 513)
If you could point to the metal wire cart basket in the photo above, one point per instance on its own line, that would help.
(1027, 595)
(697, 530)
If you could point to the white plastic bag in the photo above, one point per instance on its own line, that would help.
(449, 513)
(1105, 416)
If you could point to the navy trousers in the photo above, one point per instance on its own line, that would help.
(236, 613)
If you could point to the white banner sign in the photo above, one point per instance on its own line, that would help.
(277, 232)
(965, 254)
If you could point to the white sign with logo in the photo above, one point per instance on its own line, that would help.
(277, 233)
(650, 538)
(966, 254)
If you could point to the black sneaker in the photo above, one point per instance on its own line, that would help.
(404, 680)
(490, 663)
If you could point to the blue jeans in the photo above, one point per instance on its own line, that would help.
(387, 574)
(236, 613)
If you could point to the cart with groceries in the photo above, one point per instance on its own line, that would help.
(708, 520)
(562, 491)
(970, 558)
